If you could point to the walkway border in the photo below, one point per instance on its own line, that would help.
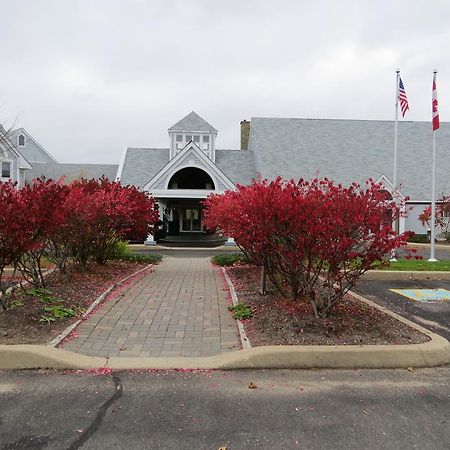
(58, 339)
(245, 342)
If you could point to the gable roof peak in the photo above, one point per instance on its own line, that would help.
(193, 123)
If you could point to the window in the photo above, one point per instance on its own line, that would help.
(188, 138)
(21, 140)
(205, 138)
(6, 169)
(196, 138)
(179, 138)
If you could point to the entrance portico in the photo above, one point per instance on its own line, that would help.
(179, 188)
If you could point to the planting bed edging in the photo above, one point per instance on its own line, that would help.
(405, 275)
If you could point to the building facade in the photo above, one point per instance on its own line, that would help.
(192, 166)
(346, 151)
(23, 159)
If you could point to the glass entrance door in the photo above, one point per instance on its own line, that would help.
(192, 220)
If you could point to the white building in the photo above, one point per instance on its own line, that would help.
(192, 166)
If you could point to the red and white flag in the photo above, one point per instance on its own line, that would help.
(434, 106)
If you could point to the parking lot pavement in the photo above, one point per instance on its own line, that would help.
(204, 410)
(434, 316)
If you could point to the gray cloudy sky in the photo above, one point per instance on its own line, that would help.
(88, 77)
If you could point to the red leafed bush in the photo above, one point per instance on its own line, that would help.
(100, 213)
(14, 230)
(82, 221)
(43, 206)
(314, 237)
(442, 218)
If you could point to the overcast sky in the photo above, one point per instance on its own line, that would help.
(87, 78)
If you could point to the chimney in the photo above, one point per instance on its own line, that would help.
(245, 131)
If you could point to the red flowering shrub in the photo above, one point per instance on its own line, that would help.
(14, 228)
(315, 238)
(83, 221)
(442, 218)
(43, 207)
(99, 213)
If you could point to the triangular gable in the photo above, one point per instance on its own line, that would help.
(15, 133)
(190, 156)
(6, 145)
(193, 123)
(388, 185)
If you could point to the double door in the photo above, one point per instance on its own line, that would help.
(191, 220)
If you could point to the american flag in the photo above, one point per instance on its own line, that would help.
(404, 106)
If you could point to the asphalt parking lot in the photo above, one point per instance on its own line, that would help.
(434, 316)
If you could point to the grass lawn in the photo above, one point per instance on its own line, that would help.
(419, 265)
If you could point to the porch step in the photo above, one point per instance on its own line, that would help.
(193, 240)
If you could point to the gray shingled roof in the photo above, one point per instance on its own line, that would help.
(193, 123)
(237, 165)
(142, 164)
(70, 171)
(352, 150)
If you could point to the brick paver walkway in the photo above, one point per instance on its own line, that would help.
(179, 309)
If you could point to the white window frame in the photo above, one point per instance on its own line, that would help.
(10, 161)
(24, 140)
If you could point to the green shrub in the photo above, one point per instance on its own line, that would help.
(241, 311)
(119, 250)
(149, 259)
(419, 239)
(230, 259)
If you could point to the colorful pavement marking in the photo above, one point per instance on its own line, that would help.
(424, 295)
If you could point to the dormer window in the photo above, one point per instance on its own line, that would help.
(21, 140)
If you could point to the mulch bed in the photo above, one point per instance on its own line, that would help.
(278, 321)
(78, 290)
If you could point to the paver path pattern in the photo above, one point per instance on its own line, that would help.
(177, 309)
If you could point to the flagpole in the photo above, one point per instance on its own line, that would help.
(393, 252)
(396, 129)
(433, 195)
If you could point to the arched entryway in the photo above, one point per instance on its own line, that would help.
(191, 178)
(183, 213)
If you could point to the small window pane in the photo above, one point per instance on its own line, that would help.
(196, 138)
(21, 140)
(205, 138)
(6, 170)
(179, 138)
(188, 138)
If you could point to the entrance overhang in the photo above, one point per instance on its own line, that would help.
(182, 193)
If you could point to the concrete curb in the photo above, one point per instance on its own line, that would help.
(245, 342)
(430, 354)
(425, 245)
(405, 275)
